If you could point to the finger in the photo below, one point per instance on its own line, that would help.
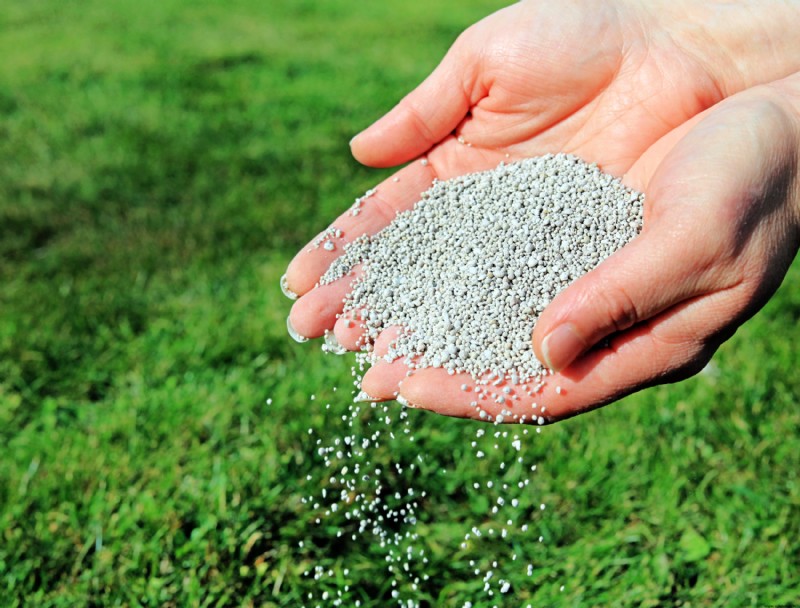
(698, 220)
(424, 117)
(395, 194)
(350, 330)
(651, 273)
(385, 341)
(381, 381)
(459, 395)
(317, 311)
(673, 346)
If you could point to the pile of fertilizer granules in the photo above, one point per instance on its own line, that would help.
(468, 270)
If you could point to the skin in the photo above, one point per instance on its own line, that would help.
(672, 98)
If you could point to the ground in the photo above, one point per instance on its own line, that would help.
(161, 162)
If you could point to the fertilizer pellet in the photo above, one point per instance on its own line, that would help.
(323, 238)
(468, 270)
(355, 208)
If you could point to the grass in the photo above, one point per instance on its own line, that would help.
(161, 162)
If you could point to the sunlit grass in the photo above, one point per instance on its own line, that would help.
(161, 162)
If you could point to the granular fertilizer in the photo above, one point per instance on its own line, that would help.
(465, 274)
(468, 270)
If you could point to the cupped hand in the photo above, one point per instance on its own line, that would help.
(722, 226)
(601, 80)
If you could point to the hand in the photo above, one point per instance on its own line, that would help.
(602, 80)
(511, 85)
(722, 225)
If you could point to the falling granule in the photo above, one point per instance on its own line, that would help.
(371, 496)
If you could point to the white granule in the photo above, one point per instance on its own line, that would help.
(323, 239)
(355, 208)
(468, 270)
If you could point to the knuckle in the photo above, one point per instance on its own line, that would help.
(620, 308)
(418, 122)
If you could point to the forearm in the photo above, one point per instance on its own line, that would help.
(742, 43)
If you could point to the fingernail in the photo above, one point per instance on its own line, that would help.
(285, 289)
(355, 137)
(362, 397)
(293, 332)
(561, 346)
(332, 344)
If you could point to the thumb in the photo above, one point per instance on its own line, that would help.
(706, 201)
(424, 117)
(665, 265)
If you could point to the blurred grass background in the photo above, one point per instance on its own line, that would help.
(161, 162)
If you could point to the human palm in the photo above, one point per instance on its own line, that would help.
(533, 78)
(576, 77)
(603, 81)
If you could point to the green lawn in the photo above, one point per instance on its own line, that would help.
(160, 163)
